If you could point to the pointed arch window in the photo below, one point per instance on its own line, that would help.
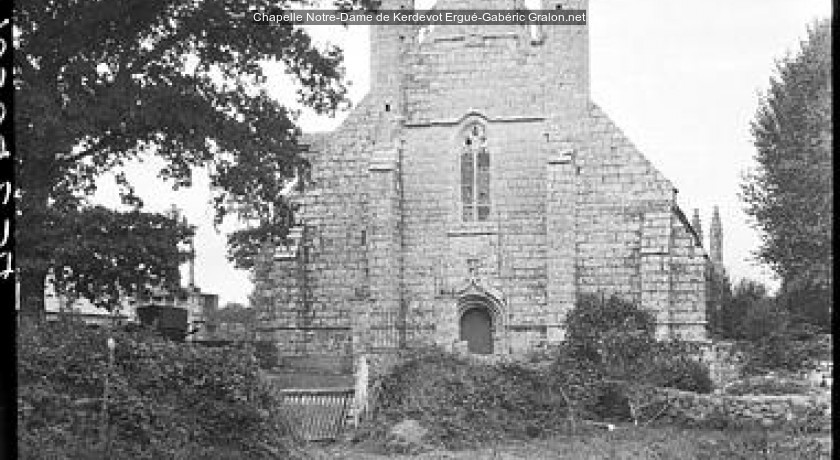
(475, 174)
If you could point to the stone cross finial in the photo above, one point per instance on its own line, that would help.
(472, 267)
(716, 239)
(696, 225)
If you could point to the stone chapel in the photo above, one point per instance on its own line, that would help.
(470, 197)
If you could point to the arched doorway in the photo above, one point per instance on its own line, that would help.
(477, 330)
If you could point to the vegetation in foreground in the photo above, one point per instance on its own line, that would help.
(600, 374)
(609, 354)
(626, 442)
(165, 400)
(769, 331)
(170, 400)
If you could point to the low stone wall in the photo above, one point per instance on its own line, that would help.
(807, 412)
(725, 363)
(727, 366)
(821, 374)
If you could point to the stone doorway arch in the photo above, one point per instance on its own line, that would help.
(476, 326)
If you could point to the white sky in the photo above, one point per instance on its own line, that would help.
(680, 77)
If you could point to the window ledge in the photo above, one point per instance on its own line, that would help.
(473, 228)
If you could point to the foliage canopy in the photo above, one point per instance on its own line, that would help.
(789, 193)
(100, 84)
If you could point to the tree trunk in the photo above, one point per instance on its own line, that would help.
(32, 286)
(34, 242)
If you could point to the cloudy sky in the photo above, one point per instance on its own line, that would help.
(681, 78)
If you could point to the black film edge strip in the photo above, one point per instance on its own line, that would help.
(8, 372)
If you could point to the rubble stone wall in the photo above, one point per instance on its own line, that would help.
(802, 411)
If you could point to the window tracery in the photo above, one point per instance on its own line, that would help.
(475, 174)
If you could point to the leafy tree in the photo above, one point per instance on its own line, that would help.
(719, 295)
(233, 322)
(808, 303)
(746, 300)
(774, 341)
(98, 244)
(789, 193)
(99, 84)
(771, 337)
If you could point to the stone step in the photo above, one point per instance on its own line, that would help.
(317, 364)
(297, 380)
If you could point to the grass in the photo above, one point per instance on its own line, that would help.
(625, 443)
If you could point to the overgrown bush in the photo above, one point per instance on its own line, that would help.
(776, 340)
(464, 403)
(775, 333)
(596, 319)
(740, 307)
(166, 400)
(809, 303)
(618, 337)
(683, 373)
(614, 339)
(778, 352)
(581, 381)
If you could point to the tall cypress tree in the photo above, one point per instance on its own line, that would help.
(789, 192)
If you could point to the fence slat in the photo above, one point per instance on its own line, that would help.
(317, 414)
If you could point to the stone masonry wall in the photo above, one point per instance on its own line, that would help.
(334, 273)
(500, 78)
(509, 249)
(575, 207)
(624, 227)
(499, 70)
(688, 282)
(337, 270)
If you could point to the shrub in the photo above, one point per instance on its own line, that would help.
(464, 403)
(674, 364)
(739, 305)
(595, 317)
(777, 341)
(809, 302)
(615, 339)
(579, 380)
(775, 334)
(617, 335)
(167, 400)
(778, 352)
(682, 373)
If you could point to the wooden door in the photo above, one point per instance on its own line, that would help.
(477, 330)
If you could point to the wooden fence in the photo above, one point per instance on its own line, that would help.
(317, 414)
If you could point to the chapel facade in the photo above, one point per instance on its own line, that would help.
(470, 198)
